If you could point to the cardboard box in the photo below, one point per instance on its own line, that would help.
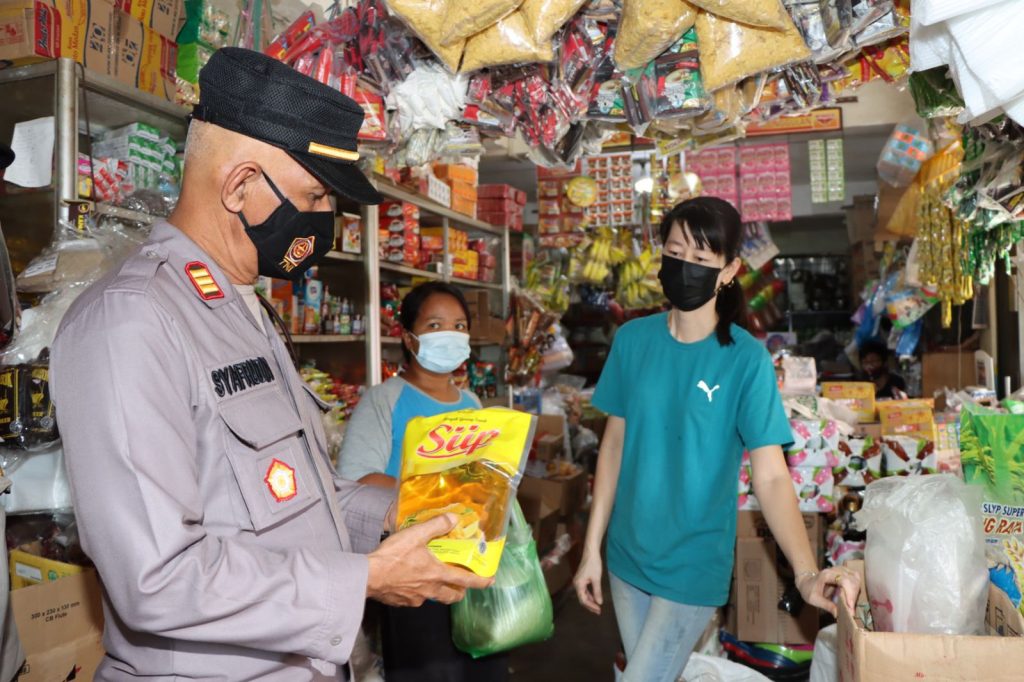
(543, 519)
(548, 447)
(857, 395)
(36, 30)
(946, 370)
(758, 584)
(458, 172)
(558, 576)
(567, 495)
(61, 628)
(28, 568)
(909, 421)
(464, 205)
(166, 17)
(869, 430)
(866, 656)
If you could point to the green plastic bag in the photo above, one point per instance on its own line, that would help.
(516, 609)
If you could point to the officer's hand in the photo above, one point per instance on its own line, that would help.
(403, 572)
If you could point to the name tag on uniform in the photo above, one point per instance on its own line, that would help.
(241, 376)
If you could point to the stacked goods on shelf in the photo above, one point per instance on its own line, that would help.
(206, 30)
(487, 250)
(717, 170)
(561, 221)
(91, 33)
(484, 326)
(614, 176)
(765, 191)
(501, 205)
(342, 399)
(400, 221)
(349, 229)
(135, 157)
(463, 182)
(308, 307)
(390, 309)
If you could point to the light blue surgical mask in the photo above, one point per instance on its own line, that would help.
(442, 352)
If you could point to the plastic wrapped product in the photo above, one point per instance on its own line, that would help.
(466, 18)
(426, 19)
(515, 610)
(468, 463)
(546, 17)
(648, 28)
(935, 94)
(507, 42)
(739, 50)
(764, 13)
(680, 91)
(925, 556)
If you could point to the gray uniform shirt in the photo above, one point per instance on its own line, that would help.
(227, 547)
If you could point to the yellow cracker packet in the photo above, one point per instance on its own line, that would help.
(468, 463)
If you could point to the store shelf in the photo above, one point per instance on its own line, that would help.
(327, 338)
(475, 284)
(125, 214)
(346, 257)
(111, 103)
(411, 272)
(393, 191)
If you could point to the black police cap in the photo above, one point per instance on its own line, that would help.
(259, 97)
(6, 156)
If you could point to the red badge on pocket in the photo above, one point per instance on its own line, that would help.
(280, 479)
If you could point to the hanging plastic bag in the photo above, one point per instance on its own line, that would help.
(466, 18)
(426, 18)
(764, 13)
(515, 610)
(509, 41)
(741, 50)
(648, 28)
(546, 17)
(925, 556)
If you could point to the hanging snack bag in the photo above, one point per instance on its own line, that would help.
(507, 42)
(764, 13)
(468, 463)
(12, 402)
(680, 91)
(741, 50)
(546, 17)
(648, 28)
(426, 19)
(465, 19)
(42, 418)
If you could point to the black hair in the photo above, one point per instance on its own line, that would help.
(715, 225)
(876, 346)
(414, 300)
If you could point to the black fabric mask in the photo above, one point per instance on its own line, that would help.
(687, 286)
(290, 241)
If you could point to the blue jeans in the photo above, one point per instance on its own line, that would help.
(659, 634)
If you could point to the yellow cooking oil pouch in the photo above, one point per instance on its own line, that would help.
(468, 463)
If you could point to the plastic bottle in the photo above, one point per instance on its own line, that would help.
(358, 327)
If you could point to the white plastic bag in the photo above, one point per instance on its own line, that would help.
(925, 556)
(825, 664)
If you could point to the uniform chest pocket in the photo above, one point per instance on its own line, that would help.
(264, 445)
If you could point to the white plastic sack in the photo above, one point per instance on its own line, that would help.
(428, 98)
(930, 46)
(38, 482)
(925, 556)
(825, 664)
(987, 40)
(934, 11)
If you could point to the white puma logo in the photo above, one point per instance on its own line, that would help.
(710, 391)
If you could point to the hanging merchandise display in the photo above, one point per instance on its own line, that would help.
(765, 191)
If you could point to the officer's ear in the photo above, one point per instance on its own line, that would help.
(237, 185)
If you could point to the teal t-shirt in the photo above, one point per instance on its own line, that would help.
(690, 411)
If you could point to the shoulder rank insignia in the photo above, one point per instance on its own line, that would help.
(203, 281)
(280, 478)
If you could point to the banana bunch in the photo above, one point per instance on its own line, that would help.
(638, 285)
(593, 260)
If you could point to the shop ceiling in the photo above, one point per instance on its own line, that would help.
(867, 123)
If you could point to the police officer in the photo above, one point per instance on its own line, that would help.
(227, 548)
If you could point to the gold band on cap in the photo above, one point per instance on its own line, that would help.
(333, 152)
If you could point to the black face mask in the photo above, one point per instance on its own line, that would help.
(290, 241)
(687, 286)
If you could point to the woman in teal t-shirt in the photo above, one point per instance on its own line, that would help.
(687, 392)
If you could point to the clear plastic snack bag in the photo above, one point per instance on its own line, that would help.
(546, 17)
(741, 50)
(648, 28)
(466, 18)
(515, 610)
(763, 13)
(925, 556)
(509, 41)
(426, 18)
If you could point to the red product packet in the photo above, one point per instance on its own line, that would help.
(290, 35)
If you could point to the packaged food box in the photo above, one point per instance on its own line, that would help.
(857, 395)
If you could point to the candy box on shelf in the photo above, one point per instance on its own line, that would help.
(857, 395)
(815, 488)
(908, 456)
(815, 443)
(860, 462)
